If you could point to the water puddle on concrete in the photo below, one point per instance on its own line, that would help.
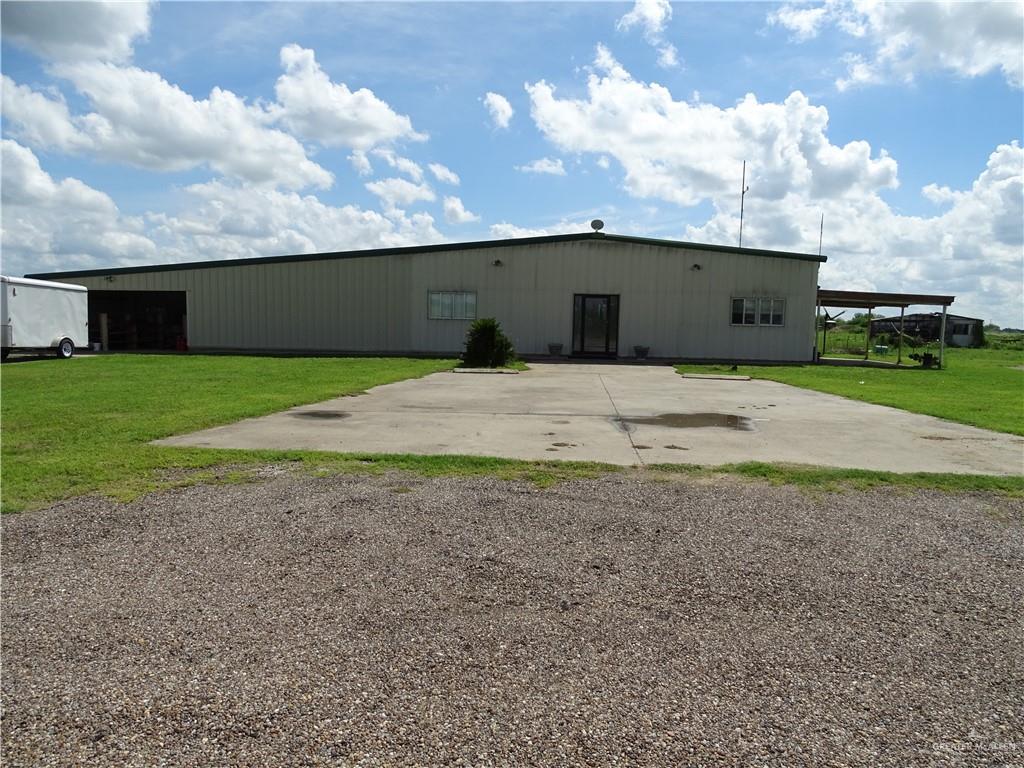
(692, 421)
(319, 414)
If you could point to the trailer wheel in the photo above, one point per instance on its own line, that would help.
(65, 349)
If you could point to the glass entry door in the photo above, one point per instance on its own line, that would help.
(595, 324)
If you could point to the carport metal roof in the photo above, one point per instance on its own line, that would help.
(870, 299)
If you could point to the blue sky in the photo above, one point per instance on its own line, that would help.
(187, 131)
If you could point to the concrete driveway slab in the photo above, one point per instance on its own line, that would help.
(624, 415)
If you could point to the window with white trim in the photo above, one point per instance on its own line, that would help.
(451, 305)
(758, 311)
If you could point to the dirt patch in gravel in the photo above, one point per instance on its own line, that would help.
(400, 621)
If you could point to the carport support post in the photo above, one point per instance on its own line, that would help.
(899, 344)
(942, 336)
(817, 319)
(867, 335)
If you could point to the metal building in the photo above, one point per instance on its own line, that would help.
(595, 294)
(960, 331)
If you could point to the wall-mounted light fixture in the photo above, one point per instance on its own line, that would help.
(498, 263)
(695, 268)
(109, 278)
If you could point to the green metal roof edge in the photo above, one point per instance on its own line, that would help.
(439, 247)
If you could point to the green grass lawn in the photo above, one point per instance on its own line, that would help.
(79, 426)
(83, 426)
(982, 387)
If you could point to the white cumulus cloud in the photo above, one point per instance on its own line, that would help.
(444, 174)
(504, 230)
(243, 222)
(966, 38)
(499, 108)
(400, 164)
(652, 16)
(50, 224)
(455, 212)
(76, 31)
(395, 193)
(551, 166)
(317, 109)
(39, 119)
(360, 162)
(804, 21)
(685, 153)
(140, 119)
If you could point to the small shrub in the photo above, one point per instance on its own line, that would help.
(487, 346)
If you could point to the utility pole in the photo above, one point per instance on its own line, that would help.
(821, 233)
(743, 194)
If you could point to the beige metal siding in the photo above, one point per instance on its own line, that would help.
(379, 303)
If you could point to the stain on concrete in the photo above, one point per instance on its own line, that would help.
(692, 421)
(676, 447)
(320, 414)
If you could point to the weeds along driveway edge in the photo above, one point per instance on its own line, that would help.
(195, 466)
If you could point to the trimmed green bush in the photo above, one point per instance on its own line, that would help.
(487, 346)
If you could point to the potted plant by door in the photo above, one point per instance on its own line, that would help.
(555, 350)
(641, 351)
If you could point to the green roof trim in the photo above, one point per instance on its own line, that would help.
(413, 249)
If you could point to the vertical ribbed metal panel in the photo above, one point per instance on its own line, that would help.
(379, 303)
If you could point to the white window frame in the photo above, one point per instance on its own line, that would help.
(776, 308)
(452, 305)
(747, 301)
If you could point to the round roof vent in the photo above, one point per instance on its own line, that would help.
(597, 225)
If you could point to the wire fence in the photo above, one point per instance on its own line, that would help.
(852, 342)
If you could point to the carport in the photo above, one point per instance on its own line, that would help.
(870, 301)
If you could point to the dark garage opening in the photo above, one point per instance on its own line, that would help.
(137, 319)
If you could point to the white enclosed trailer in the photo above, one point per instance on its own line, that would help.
(39, 315)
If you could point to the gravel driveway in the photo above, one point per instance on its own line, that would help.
(619, 621)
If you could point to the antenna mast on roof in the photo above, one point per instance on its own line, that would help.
(743, 193)
(821, 233)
